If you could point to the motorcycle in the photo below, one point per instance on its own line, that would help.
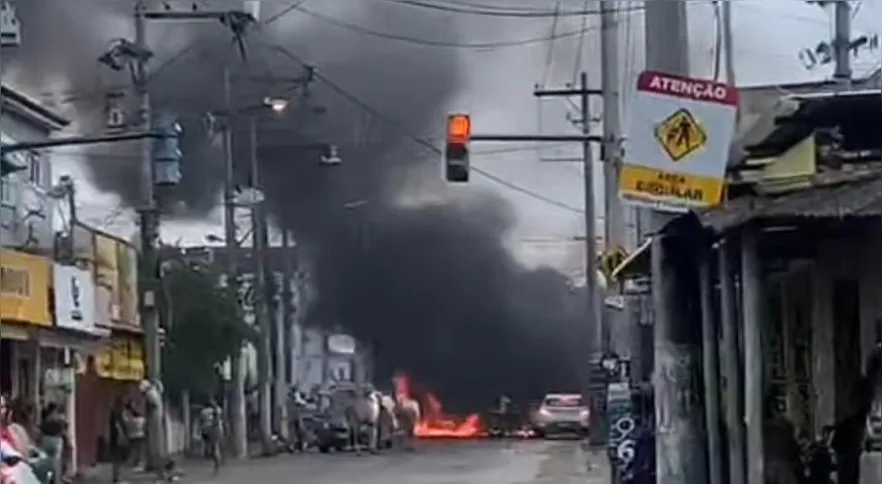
(19, 469)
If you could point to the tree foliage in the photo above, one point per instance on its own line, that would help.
(204, 328)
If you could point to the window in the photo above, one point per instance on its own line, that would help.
(563, 401)
(34, 168)
(5, 190)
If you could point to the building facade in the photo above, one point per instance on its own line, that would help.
(26, 209)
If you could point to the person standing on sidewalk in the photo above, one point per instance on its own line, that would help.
(119, 442)
(52, 435)
(135, 429)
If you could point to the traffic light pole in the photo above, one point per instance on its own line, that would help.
(148, 272)
(75, 141)
(592, 299)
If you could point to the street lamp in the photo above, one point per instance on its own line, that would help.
(278, 105)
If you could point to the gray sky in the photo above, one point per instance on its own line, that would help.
(768, 34)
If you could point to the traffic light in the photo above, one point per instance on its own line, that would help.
(167, 153)
(456, 153)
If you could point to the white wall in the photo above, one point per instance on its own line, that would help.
(26, 213)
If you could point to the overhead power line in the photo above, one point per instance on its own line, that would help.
(439, 43)
(428, 145)
(486, 11)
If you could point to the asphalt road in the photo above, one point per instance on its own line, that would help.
(518, 462)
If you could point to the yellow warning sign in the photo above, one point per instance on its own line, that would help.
(680, 134)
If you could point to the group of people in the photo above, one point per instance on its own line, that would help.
(372, 417)
(44, 443)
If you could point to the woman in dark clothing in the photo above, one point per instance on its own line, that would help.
(52, 431)
(118, 440)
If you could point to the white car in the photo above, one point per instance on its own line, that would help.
(562, 413)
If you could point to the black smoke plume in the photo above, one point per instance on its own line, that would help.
(417, 269)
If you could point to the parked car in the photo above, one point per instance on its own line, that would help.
(562, 413)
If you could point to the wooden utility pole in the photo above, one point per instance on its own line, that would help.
(592, 391)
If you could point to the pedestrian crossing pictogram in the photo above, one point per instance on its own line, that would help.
(680, 135)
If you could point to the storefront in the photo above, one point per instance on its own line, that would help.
(115, 368)
(76, 335)
(112, 372)
(24, 311)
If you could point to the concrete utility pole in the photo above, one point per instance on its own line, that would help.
(679, 443)
(283, 322)
(611, 151)
(149, 270)
(290, 280)
(592, 294)
(842, 41)
(264, 325)
(728, 42)
(237, 363)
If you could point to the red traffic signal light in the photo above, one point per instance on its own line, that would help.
(459, 128)
(456, 153)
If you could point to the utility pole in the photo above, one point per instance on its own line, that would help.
(149, 271)
(282, 324)
(728, 42)
(611, 151)
(237, 399)
(842, 41)
(679, 441)
(264, 324)
(592, 390)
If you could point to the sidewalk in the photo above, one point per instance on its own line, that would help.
(188, 468)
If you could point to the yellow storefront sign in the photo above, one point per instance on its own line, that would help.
(653, 186)
(122, 359)
(105, 263)
(24, 288)
(127, 284)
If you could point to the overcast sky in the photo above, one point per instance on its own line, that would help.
(768, 35)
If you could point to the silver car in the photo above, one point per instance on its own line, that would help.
(562, 413)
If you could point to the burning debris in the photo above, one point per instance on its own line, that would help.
(434, 423)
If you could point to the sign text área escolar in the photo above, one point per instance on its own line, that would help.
(670, 186)
(678, 142)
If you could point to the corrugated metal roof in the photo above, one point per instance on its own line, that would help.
(833, 195)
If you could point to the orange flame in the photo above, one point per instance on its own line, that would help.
(434, 422)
